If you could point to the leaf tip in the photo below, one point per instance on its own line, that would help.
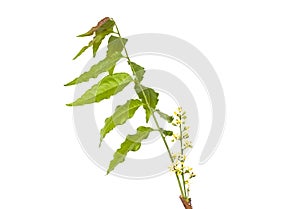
(109, 170)
(71, 82)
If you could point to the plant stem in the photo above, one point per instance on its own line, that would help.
(152, 112)
(181, 148)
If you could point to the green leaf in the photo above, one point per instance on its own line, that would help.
(108, 86)
(149, 97)
(168, 118)
(83, 49)
(101, 30)
(98, 40)
(167, 133)
(113, 55)
(120, 116)
(115, 44)
(108, 25)
(138, 71)
(103, 66)
(111, 70)
(131, 143)
(102, 25)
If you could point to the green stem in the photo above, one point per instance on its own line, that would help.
(152, 113)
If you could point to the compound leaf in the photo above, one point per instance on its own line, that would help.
(131, 143)
(108, 86)
(120, 116)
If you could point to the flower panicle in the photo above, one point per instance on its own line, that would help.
(178, 166)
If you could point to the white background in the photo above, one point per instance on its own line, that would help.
(254, 47)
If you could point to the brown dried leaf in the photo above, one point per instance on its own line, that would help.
(95, 28)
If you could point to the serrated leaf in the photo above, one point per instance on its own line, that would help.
(113, 55)
(108, 86)
(131, 143)
(103, 28)
(103, 24)
(138, 71)
(168, 118)
(103, 66)
(115, 44)
(98, 40)
(149, 97)
(120, 116)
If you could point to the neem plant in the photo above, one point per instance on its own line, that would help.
(113, 83)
